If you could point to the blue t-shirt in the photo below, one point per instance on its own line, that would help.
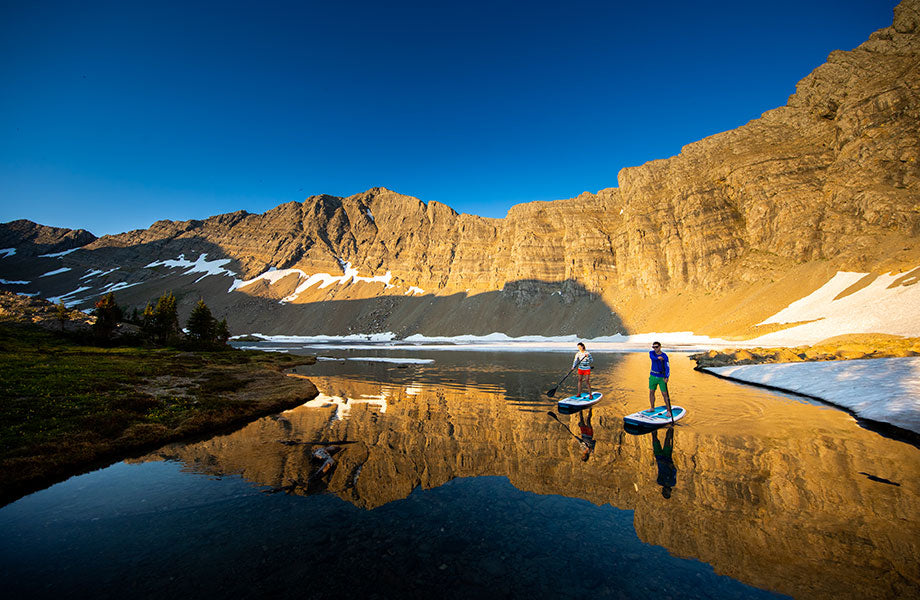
(660, 368)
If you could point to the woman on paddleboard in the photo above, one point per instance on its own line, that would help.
(583, 360)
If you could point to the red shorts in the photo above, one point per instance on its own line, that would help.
(584, 371)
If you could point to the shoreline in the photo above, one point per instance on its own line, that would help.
(71, 409)
(869, 376)
(884, 428)
(842, 347)
(13, 490)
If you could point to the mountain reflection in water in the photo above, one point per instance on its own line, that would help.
(460, 479)
(770, 489)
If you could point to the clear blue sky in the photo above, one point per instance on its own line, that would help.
(114, 115)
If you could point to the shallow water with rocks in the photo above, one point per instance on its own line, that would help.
(444, 475)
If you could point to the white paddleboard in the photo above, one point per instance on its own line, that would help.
(579, 402)
(654, 417)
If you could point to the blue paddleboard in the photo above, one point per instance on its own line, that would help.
(654, 417)
(576, 403)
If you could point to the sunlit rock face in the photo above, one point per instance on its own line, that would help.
(725, 234)
(783, 505)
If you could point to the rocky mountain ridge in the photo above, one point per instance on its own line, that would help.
(715, 239)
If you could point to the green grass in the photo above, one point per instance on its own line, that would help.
(66, 403)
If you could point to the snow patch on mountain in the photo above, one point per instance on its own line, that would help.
(201, 265)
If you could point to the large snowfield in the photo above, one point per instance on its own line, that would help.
(890, 303)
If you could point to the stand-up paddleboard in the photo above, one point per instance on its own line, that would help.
(654, 417)
(577, 403)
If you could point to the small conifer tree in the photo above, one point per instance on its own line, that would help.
(149, 323)
(201, 325)
(63, 314)
(166, 318)
(108, 314)
(222, 333)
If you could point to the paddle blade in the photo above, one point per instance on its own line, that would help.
(551, 393)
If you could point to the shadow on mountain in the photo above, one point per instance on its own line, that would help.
(526, 307)
(31, 239)
(522, 307)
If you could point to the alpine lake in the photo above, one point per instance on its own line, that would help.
(450, 479)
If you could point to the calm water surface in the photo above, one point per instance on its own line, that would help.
(449, 479)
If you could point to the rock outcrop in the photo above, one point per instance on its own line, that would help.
(15, 308)
(844, 347)
(722, 236)
(31, 239)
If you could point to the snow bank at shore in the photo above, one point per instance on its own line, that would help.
(383, 359)
(882, 389)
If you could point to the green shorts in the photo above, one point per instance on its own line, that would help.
(657, 382)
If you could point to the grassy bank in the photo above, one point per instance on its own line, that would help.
(66, 407)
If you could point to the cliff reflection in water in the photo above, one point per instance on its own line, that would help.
(769, 490)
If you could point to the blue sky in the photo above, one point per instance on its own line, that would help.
(114, 115)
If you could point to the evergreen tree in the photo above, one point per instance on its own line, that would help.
(222, 333)
(166, 318)
(201, 325)
(63, 314)
(108, 314)
(149, 323)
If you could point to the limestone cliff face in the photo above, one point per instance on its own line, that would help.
(752, 218)
(830, 176)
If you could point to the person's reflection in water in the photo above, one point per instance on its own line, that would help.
(587, 434)
(667, 472)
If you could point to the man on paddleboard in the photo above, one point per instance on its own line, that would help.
(583, 360)
(658, 378)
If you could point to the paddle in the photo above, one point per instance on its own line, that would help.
(552, 392)
(553, 415)
(670, 412)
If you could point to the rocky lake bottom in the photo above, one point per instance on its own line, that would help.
(443, 474)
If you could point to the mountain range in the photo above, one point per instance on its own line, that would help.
(716, 240)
